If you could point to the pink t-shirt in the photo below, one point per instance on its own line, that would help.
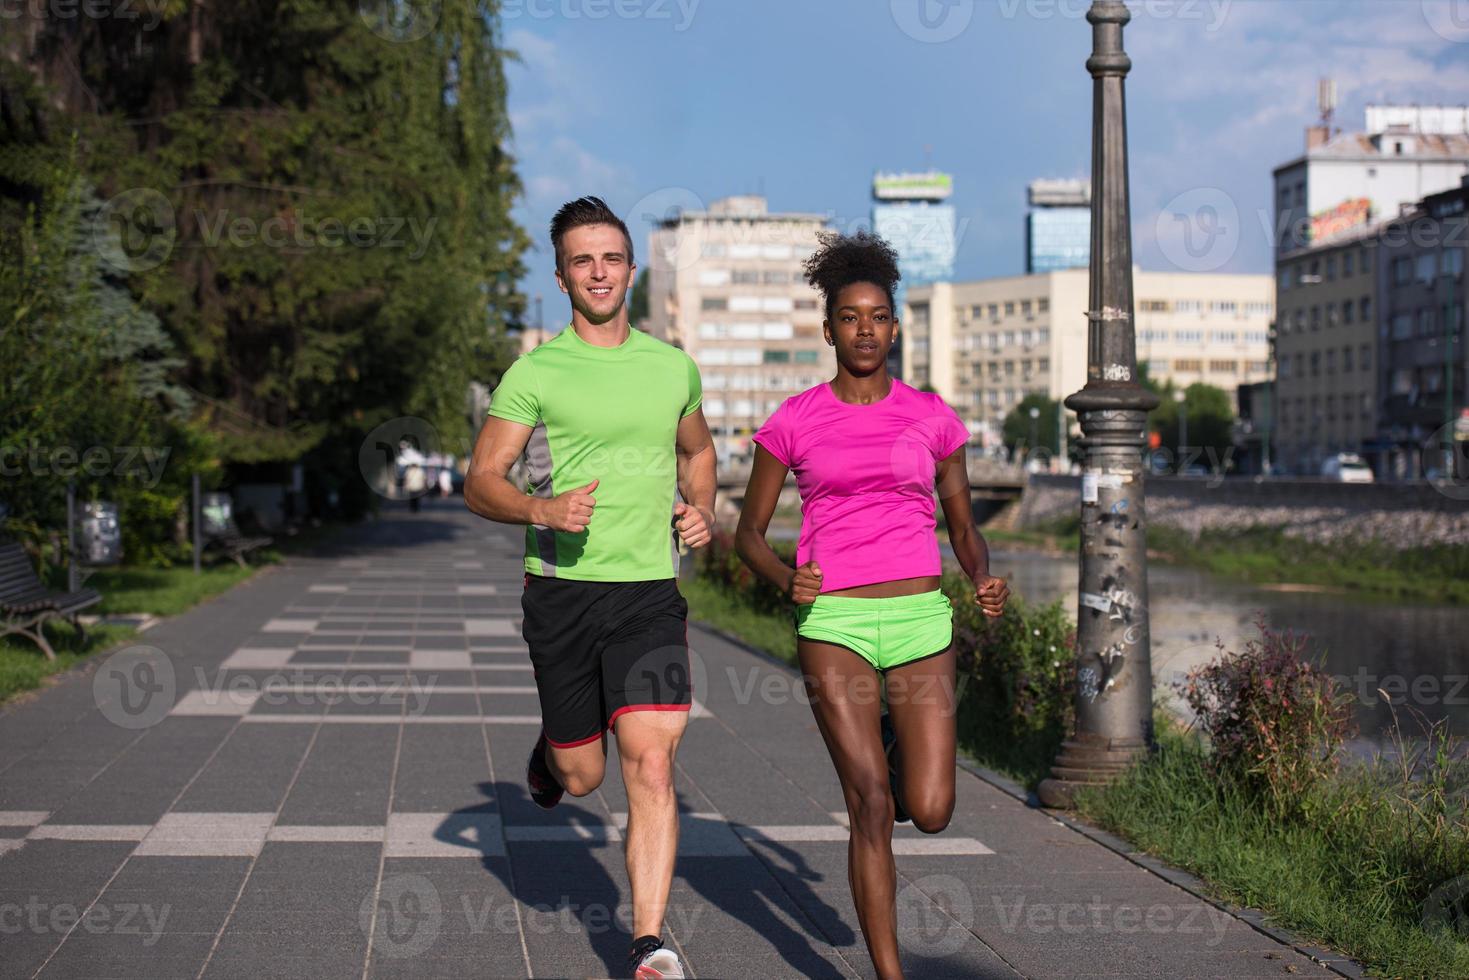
(866, 477)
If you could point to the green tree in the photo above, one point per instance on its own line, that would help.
(1019, 429)
(321, 200)
(1210, 423)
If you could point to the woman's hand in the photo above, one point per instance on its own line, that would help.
(991, 593)
(806, 584)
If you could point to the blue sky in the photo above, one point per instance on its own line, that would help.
(647, 102)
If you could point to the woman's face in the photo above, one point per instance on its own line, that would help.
(862, 327)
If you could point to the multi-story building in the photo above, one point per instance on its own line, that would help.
(1326, 350)
(1333, 204)
(727, 286)
(910, 211)
(1058, 227)
(985, 345)
(1421, 364)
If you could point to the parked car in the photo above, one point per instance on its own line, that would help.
(1348, 468)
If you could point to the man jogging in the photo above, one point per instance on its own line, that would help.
(609, 421)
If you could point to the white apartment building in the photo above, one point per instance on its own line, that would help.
(727, 286)
(985, 345)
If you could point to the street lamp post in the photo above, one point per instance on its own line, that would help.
(1180, 396)
(1035, 415)
(1114, 676)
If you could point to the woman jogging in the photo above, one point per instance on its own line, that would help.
(868, 451)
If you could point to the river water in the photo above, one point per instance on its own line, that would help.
(1418, 654)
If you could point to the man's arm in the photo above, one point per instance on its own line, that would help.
(696, 477)
(487, 492)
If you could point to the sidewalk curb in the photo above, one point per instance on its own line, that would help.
(1195, 886)
(1337, 963)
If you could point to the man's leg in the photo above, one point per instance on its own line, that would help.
(579, 769)
(646, 744)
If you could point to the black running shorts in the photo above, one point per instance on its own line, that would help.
(601, 649)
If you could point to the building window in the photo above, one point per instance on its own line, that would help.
(777, 357)
(1286, 275)
(1364, 309)
(1315, 363)
(1010, 308)
(976, 311)
(1348, 262)
(1025, 307)
(1224, 367)
(1154, 306)
(1315, 318)
(1043, 305)
(745, 277)
(810, 304)
(1365, 357)
(1426, 267)
(1402, 326)
(1348, 312)
(1225, 337)
(1331, 268)
(1188, 365)
(1331, 361)
(994, 311)
(1402, 271)
(1043, 365)
(714, 303)
(1285, 367)
(1333, 318)
(1346, 359)
(1452, 262)
(777, 277)
(1189, 336)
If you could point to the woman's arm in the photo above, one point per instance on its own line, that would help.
(767, 477)
(951, 476)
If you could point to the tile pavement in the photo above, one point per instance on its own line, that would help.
(319, 775)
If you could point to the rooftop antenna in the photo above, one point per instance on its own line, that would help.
(1326, 101)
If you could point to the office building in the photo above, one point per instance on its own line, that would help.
(1333, 206)
(1058, 227)
(985, 345)
(910, 212)
(727, 286)
(1422, 360)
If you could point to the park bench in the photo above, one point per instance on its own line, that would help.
(27, 604)
(222, 534)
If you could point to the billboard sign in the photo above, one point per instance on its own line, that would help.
(930, 186)
(1349, 214)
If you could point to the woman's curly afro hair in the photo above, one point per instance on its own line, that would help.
(841, 260)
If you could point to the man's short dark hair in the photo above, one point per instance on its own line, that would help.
(581, 212)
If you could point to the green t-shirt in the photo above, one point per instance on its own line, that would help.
(608, 414)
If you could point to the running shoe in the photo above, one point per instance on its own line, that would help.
(649, 960)
(544, 789)
(889, 743)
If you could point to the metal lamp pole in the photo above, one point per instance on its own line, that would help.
(1114, 676)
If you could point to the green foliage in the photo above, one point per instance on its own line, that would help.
(1018, 426)
(328, 209)
(1275, 720)
(1210, 420)
(1018, 676)
(1354, 873)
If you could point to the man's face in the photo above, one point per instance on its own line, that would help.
(595, 271)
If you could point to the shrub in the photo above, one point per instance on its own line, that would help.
(1274, 719)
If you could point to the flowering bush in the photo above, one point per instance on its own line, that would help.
(1273, 718)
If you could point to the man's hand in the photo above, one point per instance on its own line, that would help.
(806, 584)
(571, 511)
(991, 594)
(694, 524)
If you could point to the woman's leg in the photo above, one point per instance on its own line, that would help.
(846, 697)
(921, 702)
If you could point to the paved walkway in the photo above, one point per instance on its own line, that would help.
(319, 776)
